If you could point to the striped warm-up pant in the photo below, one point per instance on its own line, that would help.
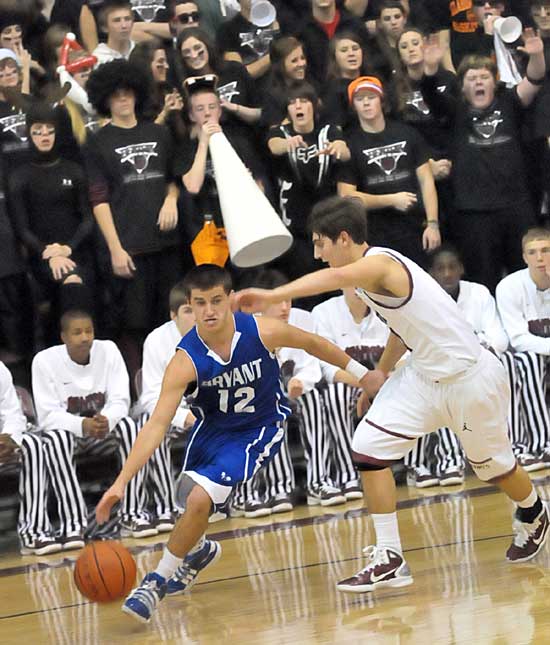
(448, 455)
(60, 450)
(528, 419)
(33, 522)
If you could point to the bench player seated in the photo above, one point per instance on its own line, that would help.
(227, 365)
(523, 301)
(82, 395)
(22, 453)
(158, 350)
(479, 308)
(347, 322)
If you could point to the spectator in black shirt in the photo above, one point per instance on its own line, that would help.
(52, 215)
(320, 27)
(242, 41)
(134, 196)
(288, 66)
(347, 61)
(389, 172)
(492, 197)
(235, 86)
(307, 152)
(413, 109)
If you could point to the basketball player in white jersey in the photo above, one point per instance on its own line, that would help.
(448, 380)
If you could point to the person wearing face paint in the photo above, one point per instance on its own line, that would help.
(235, 87)
(307, 153)
(389, 171)
(52, 217)
(492, 197)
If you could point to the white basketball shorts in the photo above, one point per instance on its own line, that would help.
(474, 405)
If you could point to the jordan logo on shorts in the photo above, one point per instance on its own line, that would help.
(465, 428)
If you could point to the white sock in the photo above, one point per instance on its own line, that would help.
(168, 564)
(387, 531)
(198, 545)
(529, 501)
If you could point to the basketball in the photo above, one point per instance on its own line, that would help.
(105, 571)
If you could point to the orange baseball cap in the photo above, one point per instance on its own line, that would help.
(365, 83)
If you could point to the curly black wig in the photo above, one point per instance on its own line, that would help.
(106, 79)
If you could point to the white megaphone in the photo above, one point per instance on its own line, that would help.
(509, 29)
(262, 13)
(255, 233)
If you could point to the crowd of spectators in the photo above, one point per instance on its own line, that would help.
(106, 181)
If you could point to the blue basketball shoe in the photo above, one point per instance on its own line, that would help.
(143, 600)
(186, 574)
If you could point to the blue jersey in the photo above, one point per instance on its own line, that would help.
(242, 393)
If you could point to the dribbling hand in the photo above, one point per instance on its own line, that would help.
(106, 503)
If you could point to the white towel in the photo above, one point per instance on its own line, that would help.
(506, 64)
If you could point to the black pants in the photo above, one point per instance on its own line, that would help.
(490, 241)
(17, 315)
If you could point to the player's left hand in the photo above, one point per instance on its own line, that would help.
(431, 238)
(295, 388)
(168, 215)
(106, 503)
(363, 404)
(253, 300)
(372, 382)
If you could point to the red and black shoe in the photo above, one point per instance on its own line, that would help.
(529, 538)
(385, 568)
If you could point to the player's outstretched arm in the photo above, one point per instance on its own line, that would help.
(365, 272)
(179, 373)
(276, 334)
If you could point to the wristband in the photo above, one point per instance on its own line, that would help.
(535, 81)
(433, 223)
(356, 369)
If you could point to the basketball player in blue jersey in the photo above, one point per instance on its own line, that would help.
(448, 380)
(227, 366)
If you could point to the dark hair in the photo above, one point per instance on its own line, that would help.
(144, 52)
(175, 3)
(391, 4)
(268, 279)
(108, 7)
(177, 297)
(213, 57)
(335, 215)
(110, 77)
(205, 277)
(444, 248)
(344, 34)
(473, 61)
(302, 90)
(73, 314)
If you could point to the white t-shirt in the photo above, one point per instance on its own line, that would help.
(296, 363)
(65, 391)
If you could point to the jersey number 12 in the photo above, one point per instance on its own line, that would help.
(244, 395)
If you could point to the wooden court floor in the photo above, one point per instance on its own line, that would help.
(275, 583)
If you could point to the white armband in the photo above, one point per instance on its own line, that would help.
(356, 369)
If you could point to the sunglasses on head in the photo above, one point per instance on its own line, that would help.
(185, 18)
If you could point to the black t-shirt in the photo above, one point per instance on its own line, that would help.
(383, 163)
(488, 167)
(436, 129)
(241, 36)
(206, 201)
(130, 170)
(457, 16)
(14, 143)
(50, 204)
(235, 85)
(151, 10)
(538, 114)
(10, 259)
(305, 177)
